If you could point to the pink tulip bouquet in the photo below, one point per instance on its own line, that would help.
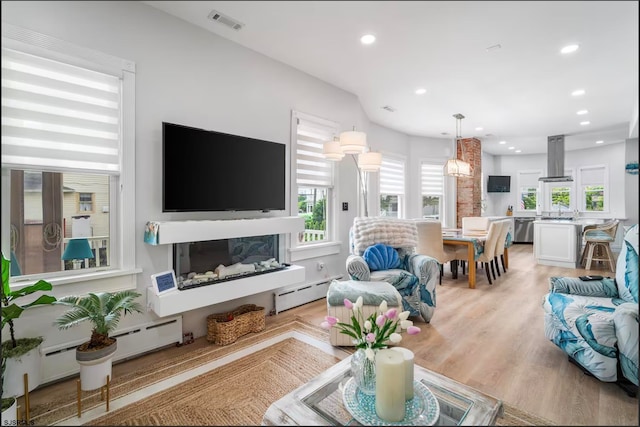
(375, 332)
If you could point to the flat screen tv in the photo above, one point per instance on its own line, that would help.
(499, 184)
(205, 170)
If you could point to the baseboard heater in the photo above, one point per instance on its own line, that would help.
(60, 361)
(295, 296)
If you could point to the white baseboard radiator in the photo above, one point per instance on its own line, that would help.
(295, 296)
(60, 361)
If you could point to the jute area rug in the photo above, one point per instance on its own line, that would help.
(237, 393)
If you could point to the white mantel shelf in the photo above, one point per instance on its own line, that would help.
(169, 232)
(178, 301)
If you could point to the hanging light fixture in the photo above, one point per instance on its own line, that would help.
(353, 142)
(454, 166)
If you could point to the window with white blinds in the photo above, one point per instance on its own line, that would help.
(57, 116)
(432, 190)
(593, 188)
(312, 169)
(392, 176)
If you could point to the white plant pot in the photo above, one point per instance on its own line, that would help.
(30, 363)
(94, 371)
(10, 416)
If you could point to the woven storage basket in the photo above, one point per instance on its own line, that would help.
(244, 319)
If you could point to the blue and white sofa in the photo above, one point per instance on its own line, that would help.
(374, 243)
(596, 322)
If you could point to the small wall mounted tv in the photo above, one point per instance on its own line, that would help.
(206, 170)
(499, 184)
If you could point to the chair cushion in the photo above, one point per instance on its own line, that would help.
(627, 267)
(381, 257)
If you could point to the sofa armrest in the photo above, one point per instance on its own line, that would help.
(625, 319)
(605, 288)
(424, 267)
(357, 268)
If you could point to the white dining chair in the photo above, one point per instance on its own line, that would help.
(430, 243)
(488, 254)
(501, 244)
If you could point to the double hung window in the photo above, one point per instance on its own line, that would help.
(62, 157)
(593, 185)
(392, 187)
(528, 190)
(432, 190)
(314, 177)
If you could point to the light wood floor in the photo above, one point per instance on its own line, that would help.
(490, 338)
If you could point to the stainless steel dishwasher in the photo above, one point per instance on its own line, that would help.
(524, 229)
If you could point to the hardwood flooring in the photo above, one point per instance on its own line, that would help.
(491, 338)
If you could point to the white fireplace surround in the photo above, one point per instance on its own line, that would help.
(170, 232)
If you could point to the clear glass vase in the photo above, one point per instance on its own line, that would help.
(363, 371)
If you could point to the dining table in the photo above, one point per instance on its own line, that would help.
(474, 242)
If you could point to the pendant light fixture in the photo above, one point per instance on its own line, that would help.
(454, 166)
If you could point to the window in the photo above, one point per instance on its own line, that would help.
(314, 177)
(528, 190)
(560, 198)
(391, 187)
(432, 190)
(63, 147)
(593, 185)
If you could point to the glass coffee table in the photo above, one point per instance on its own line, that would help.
(319, 402)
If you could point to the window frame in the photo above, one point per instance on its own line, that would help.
(442, 196)
(122, 186)
(523, 181)
(402, 198)
(330, 245)
(582, 197)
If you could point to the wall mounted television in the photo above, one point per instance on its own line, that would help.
(205, 170)
(499, 184)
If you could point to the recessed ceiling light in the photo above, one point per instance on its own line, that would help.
(421, 91)
(582, 112)
(518, 151)
(367, 39)
(600, 142)
(512, 148)
(585, 123)
(578, 92)
(503, 142)
(479, 128)
(569, 49)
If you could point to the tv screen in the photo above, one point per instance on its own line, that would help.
(499, 184)
(212, 171)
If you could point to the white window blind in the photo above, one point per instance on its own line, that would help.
(312, 169)
(592, 175)
(59, 117)
(432, 180)
(392, 176)
(528, 179)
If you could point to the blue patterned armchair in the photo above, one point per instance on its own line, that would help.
(596, 322)
(413, 275)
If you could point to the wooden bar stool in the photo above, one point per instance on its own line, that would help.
(598, 244)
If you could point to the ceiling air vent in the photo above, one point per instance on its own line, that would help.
(225, 20)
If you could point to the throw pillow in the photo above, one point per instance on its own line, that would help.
(381, 257)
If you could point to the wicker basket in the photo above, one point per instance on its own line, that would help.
(226, 328)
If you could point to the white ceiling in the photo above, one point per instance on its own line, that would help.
(520, 93)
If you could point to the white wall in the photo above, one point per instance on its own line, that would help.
(189, 76)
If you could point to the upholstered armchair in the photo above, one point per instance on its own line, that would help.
(596, 322)
(414, 276)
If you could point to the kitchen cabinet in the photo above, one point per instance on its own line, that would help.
(557, 242)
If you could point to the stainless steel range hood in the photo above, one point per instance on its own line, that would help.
(555, 160)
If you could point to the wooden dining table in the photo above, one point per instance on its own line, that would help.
(474, 243)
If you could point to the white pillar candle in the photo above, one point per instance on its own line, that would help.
(390, 376)
(408, 367)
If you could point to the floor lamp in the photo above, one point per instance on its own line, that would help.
(355, 143)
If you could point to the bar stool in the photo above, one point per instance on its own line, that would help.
(597, 244)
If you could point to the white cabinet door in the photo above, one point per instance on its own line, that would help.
(556, 243)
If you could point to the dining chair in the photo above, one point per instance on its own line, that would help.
(597, 243)
(430, 243)
(475, 224)
(488, 254)
(501, 244)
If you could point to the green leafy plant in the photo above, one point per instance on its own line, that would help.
(102, 309)
(12, 311)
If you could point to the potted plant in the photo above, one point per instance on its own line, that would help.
(9, 404)
(23, 354)
(103, 310)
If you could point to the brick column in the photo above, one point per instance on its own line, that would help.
(468, 189)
